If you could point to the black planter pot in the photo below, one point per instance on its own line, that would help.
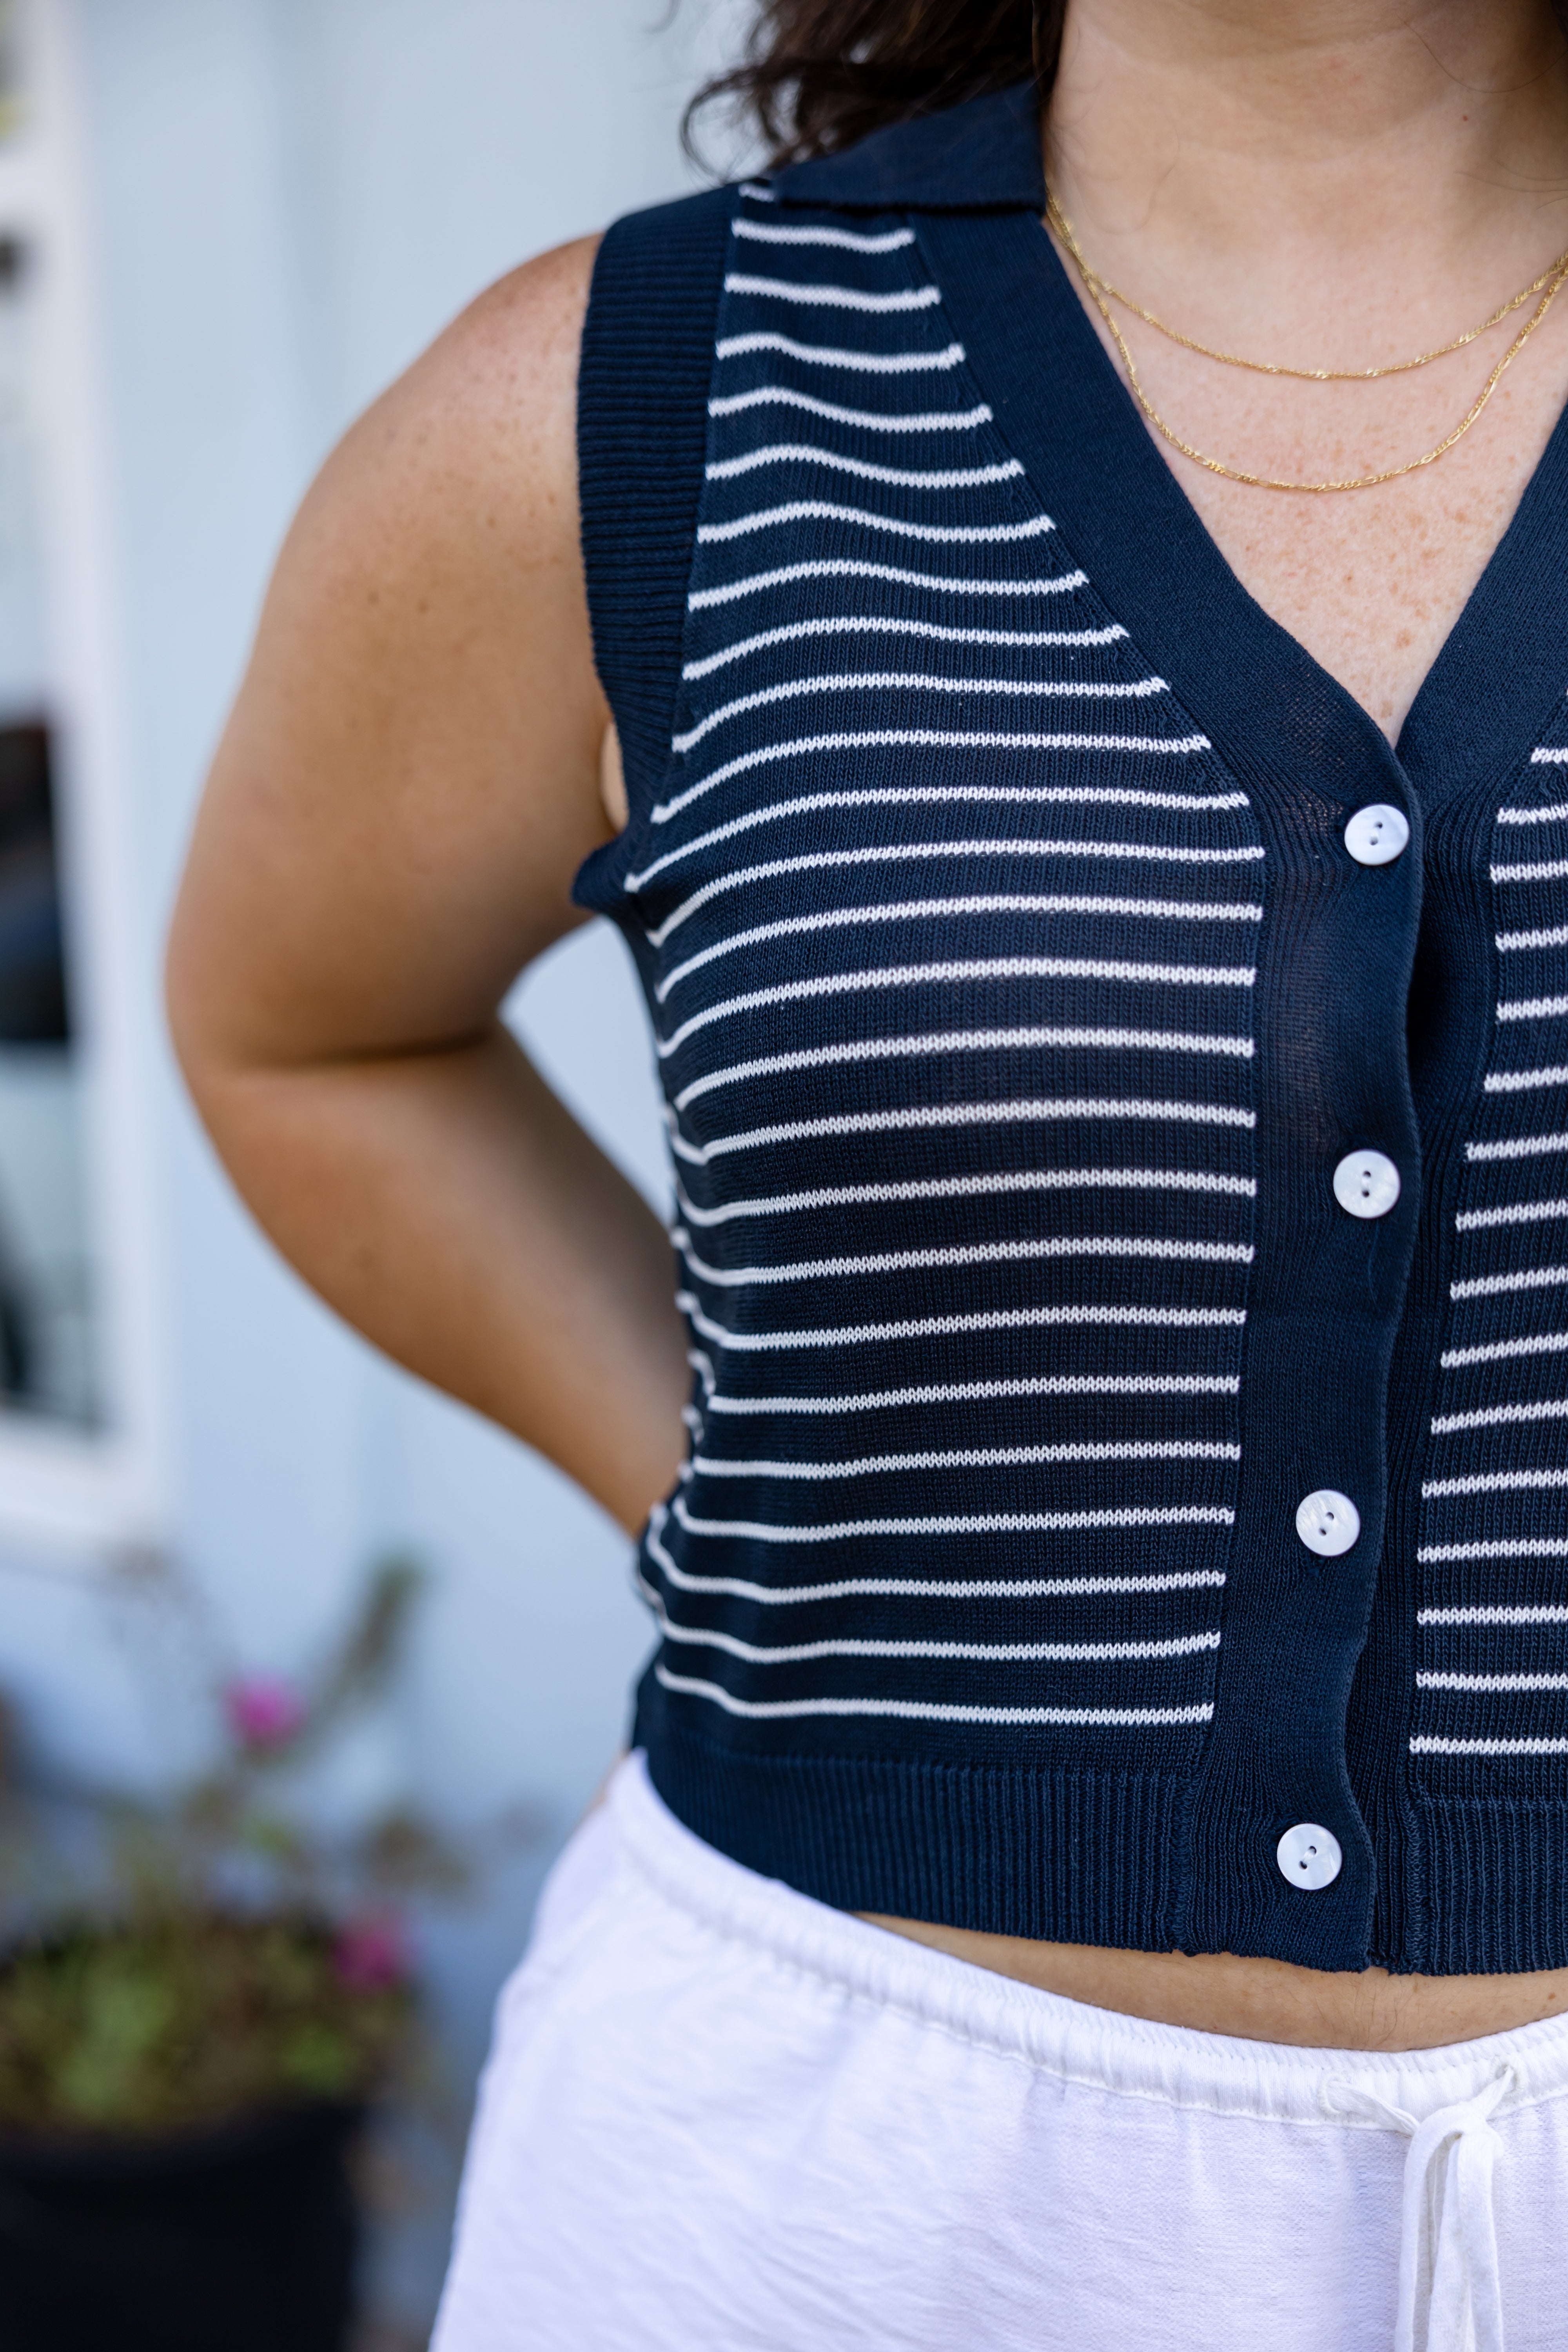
(241, 2239)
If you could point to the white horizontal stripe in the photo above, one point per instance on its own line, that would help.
(967, 535)
(921, 1588)
(1549, 870)
(883, 241)
(895, 626)
(799, 1653)
(846, 568)
(1552, 1615)
(1010, 795)
(1543, 758)
(1533, 815)
(1425, 1746)
(974, 1458)
(1508, 940)
(923, 796)
(947, 975)
(918, 682)
(1493, 1682)
(927, 1711)
(1520, 1147)
(734, 347)
(1548, 1344)
(1039, 1246)
(931, 1327)
(869, 420)
(962, 1392)
(1217, 911)
(1525, 1212)
(757, 191)
(975, 1523)
(979, 1113)
(960, 1040)
(956, 1188)
(1498, 1285)
(920, 477)
(1495, 1482)
(831, 298)
(955, 1040)
(1147, 852)
(1509, 1548)
(1533, 1008)
(1547, 1409)
(946, 910)
(1520, 1082)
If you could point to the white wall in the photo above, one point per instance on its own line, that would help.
(288, 198)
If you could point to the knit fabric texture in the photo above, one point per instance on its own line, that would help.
(1015, 995)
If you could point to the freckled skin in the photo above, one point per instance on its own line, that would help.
(1371, 582)
(1325, 206)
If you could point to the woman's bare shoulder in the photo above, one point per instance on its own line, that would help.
(480, 431)
(420, 726)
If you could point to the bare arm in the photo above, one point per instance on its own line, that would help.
(409, 780)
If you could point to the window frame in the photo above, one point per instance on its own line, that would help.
(103, 1488)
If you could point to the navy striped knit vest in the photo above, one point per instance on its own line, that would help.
(1015, 996)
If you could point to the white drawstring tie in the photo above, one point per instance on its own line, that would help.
(1450, 2298)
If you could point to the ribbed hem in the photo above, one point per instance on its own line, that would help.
(1077, 1857)
(1070, 1857)
(1494, 1891)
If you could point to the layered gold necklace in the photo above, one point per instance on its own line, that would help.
(1102, 294)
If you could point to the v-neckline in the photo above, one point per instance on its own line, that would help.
(1271, 708)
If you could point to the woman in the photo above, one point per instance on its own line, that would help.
(1052, 642)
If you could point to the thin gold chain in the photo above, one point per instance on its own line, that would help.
(1305, 375)
(1546, 285)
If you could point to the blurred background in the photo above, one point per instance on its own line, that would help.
(225, 224)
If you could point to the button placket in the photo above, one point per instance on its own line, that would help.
(1324, 1304)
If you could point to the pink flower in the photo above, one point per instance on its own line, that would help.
(264, 1713)
(372, 1953)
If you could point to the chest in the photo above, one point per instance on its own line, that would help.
(1370, 582)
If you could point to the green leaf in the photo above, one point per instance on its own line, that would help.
(316, 2058)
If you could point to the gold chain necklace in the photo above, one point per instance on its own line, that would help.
(1102, 293)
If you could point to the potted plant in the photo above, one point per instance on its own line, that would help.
(189, 2044)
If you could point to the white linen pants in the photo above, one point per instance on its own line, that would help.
(721, 2117)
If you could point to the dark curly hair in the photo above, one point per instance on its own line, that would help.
(819, 74)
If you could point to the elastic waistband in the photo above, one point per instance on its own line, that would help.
(1097, 2048)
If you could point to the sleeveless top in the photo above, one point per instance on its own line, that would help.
(1028, 1005)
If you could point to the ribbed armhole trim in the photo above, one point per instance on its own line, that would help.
(642, 437)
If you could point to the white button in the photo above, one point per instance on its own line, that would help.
(1327, 1522)
(1366, 1184)
(1375, 835)
(1310, 1856)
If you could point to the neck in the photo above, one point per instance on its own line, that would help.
(1206, 140)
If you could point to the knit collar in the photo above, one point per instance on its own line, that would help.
(984, 156)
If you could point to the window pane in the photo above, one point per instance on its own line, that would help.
(47, 1285)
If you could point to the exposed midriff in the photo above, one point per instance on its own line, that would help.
(1261, 2000)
